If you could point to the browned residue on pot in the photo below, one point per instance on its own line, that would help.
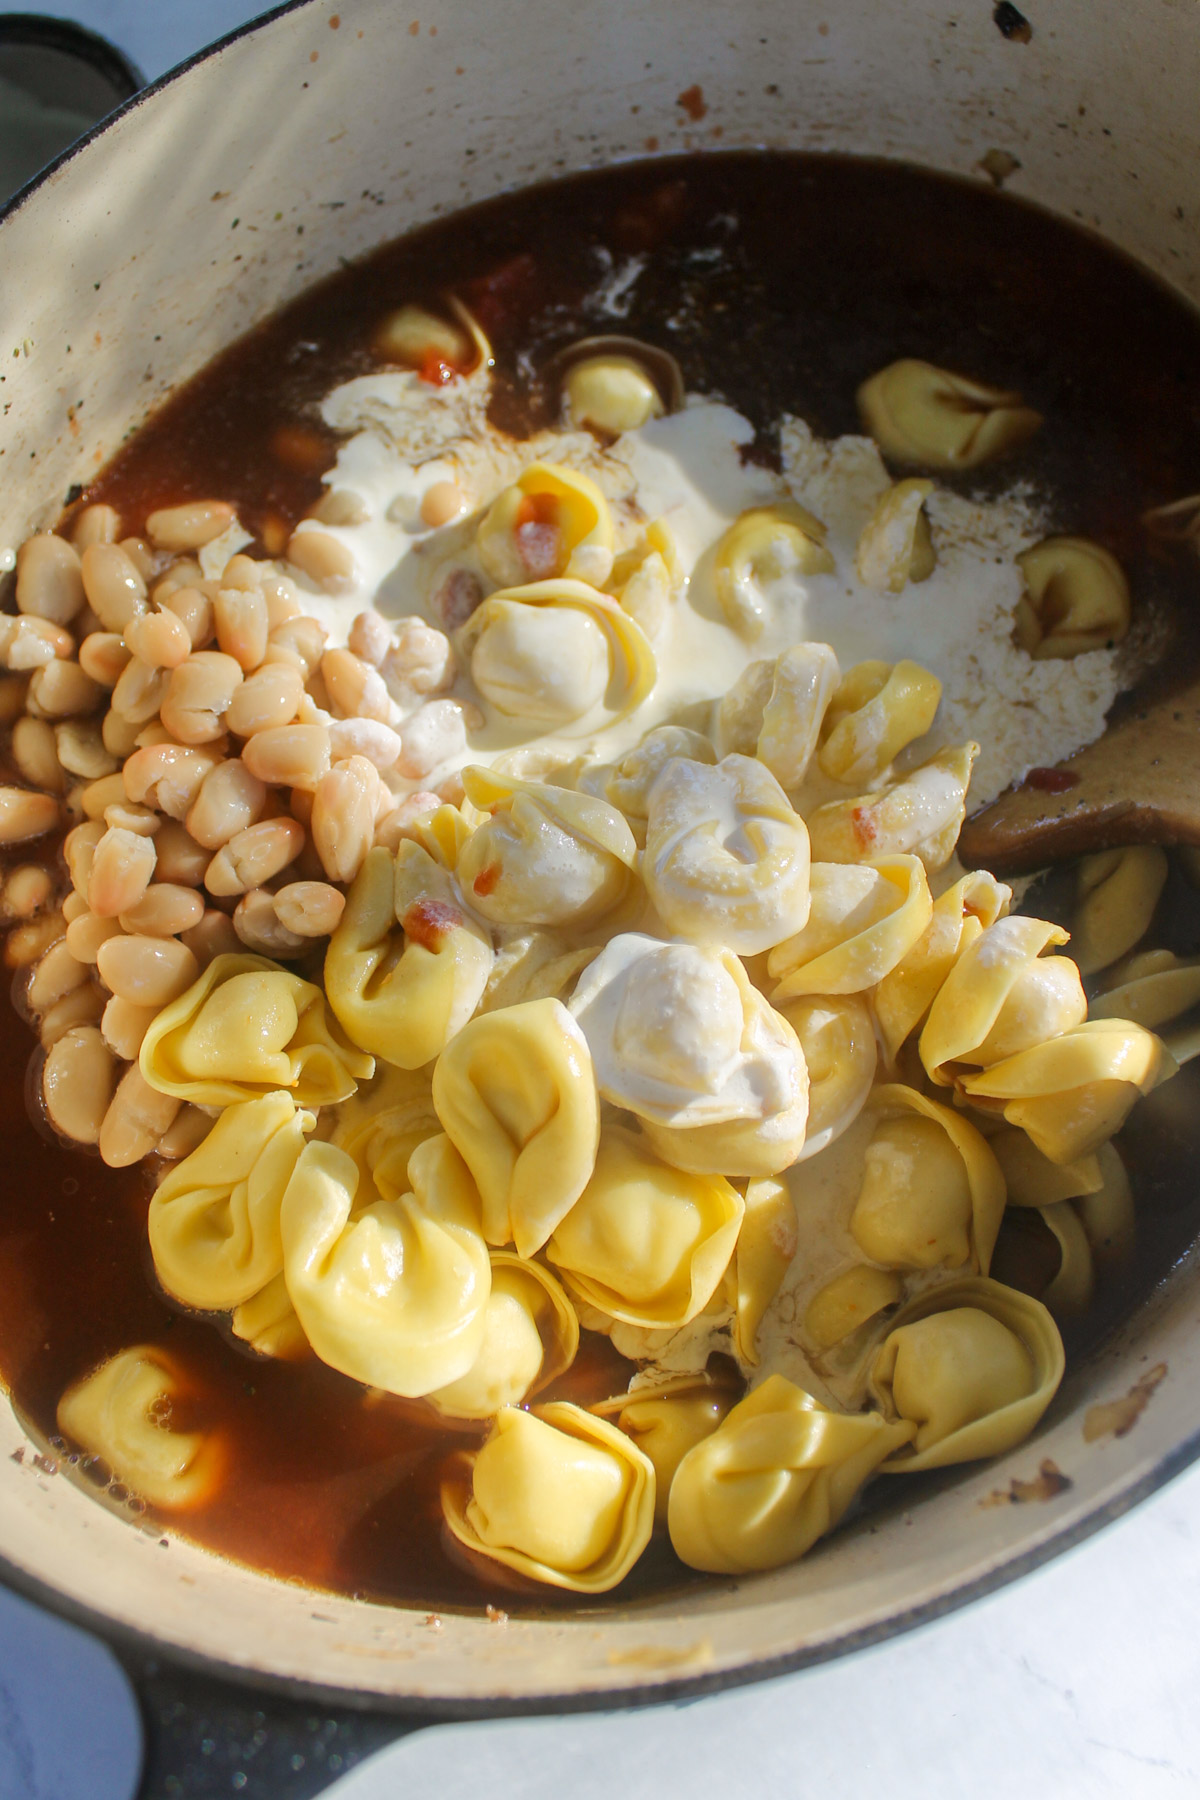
(1113, 1418)
(693, 102)
(663, 1656)
(1047, 1484)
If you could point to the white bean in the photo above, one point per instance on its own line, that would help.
(240, 616)
(159, 638)
(125, 1025)
(57, 973)
(86, 934)
(122, 869)
(198, 695)
(181, 859)
(258, 926)
(114, 585)
(61, 690)
(78, 1078)
(355, 689)
(49, 578)
(149, 971)
(137, 1117)
(167, 777)
(269, 697)
(370, 638)
(24, 815)
(189, 526)
(36, 755)
(289, 755)
(309, 909)
(96, 524)
(434, 734)
(82, 1006)
(164, 910)
(300, 641)
(28, 889)
(254, 856)
(140, 691)
(81, 749)
(213, 936)
(194, 610)
(343, 817)
(323, 558)
(28, 643)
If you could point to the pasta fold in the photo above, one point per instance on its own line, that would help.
(864, 918)
(919, 815)
(905, 995)
(530, 1336)
(544, 855)
(837, 1036)
(764, 545)
(877, 710)
(1002, 996)
(121, 1413)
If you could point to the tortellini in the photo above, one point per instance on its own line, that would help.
(1001, 997)
(407, 964)
(777, 1474)
(546, 855)
(972, 1366)
(554, 652)
(905, 995)
(918, 413)
(645, 1243)
(765, 1247)
(679, 1036)
(837, 1036)
(803, 681)
(895, 546)
(611, 393)
(666, 1419)
(848, 1301)
(1076, 599)
(557, 1495)
(1072, 1093)
(877, 710)
(121, 1413)
(645, 580)
(726, 857)
(627, 783)
(393, 1293)
(516, 1094)
(932, 1193)
(534, 966)
(1118, 891)
(765, 545)
(1155, 989)
(530, 1335)
(214, 1218)
(919, 815)
(864, 918)
(553, 521)
(244, 1028)
(384, 1123)
(268, 1324)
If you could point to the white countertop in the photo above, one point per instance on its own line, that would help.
(1077, 1682)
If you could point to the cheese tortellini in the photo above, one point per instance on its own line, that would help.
(545, 855)
(244, 1028)
(877, 710)
(918, 413)
(1002, 996)
(1118, 892)
(919, 815)
(558, 1495)
(552, 521)
(1076, 599)
(774, 710)
(530, 1335)
(765, 545)
(726, 857)
(896, 545)
(904, 996)
(666, 1419)
(553, 653)
(864, 918)
(777, 1474)
(1155, 989)
(837, 1036)
(122, 1414)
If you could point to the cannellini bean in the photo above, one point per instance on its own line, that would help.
(167, 777)
(340, 507)
(104, 655)
(323, 558)
(125, 1025)
(79, 847)
(269, 697)
(343, 818)
(27, 890)
(61, 690)
(309, 909)
(118, 735)
(74, 906)
(355, 689)
(82, 1006)
(401, 821)
(364, 737)
(190, 1128)
(114, 585)
(97, 524)
(137, 1117)
(441, 502)
(181, 572)
(125, 815)
(301, 641)
(181, 859)
(25, 815)
(254, 856)
(259, 928)
(156, 733)
(213, 936)
(243, 573)
(81, 749)
(281, 595)
(189, 526)
(122, 869)
(149, 971)
(421, 660)
(36, 755)
(432, 735)
(57, 973)
(25, 943)
(72, 803)
(159, 638)
(143, 558)
(198, 695)
(140, 691)
(240, 616)
(78, 1078)
(311, 712)
(194, 610)
(370, 638)
(86, 934)
(108, 791)
(164, 910)
(289, 755)
(230, 798)
(49, 578)
(28, 643)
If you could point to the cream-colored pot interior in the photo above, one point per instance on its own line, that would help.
(341, 123)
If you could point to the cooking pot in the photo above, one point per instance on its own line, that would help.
(316, 134)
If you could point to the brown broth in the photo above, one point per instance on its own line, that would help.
(781, 282)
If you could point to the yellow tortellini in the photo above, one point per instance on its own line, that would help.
(768, 544)
(1033, 1180)
(645, 580)
(679, 1036)
(726, 857)
(1001, 997)
(1154, 989)
(837, 1036)
(919, 815)
(626, 784)
(918, 413)
(864, 918)
(1072, 1093)
(904, 996)
(1118, 891)
(384, 1123)
(552, 522)
(777, 1474)
(775, 708)
(554, 652)
(972, 1366)
(611, 393)
(214, 1218)
(1076, 599)
(877, 710)
(530, 1335)
(121, 1413)
(393, 1293)
(667, 1418)
(268, 1324)
(516, 1094)
(534, 966)
(407, 965)
(646, 1243)
(932, 1194)
(848, 1301)
(244, 1028)
(557, 1495)
(545, 855)
(895, 545)
(765, 1247)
